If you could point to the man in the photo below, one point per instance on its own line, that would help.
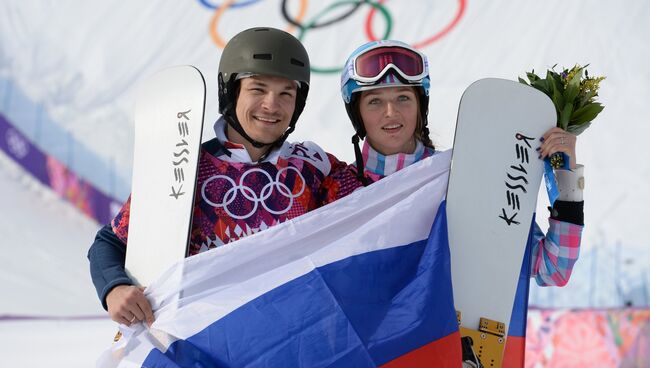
(249, 177)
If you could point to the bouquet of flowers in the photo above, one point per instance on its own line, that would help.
(574, 96)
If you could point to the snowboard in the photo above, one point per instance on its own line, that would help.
(168, 126)
(493, 184)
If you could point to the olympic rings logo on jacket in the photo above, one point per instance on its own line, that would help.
(238, 190)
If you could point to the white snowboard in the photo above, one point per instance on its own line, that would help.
(168, 127)
(493, 185)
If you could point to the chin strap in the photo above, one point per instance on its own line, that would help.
(227, 97)
(359, 161)
(239, 129)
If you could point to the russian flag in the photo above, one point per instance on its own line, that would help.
(362, 282)
(514, 353)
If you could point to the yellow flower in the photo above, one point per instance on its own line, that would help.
(590, 86)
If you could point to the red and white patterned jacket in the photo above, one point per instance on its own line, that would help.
(236, 197)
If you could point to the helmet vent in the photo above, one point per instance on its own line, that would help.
(263, 56)
(297, 62)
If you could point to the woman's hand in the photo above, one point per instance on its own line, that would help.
(558, 140)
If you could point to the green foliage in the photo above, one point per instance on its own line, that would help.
(573, 94)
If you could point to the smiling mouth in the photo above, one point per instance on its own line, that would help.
(267, 120)
(392, 127)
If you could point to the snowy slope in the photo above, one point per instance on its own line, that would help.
(47, 297)
(44, 243)
(56, 343)
(80, 62)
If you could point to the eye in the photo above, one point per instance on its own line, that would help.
(374, 101)
(288, 94)
(403, 98)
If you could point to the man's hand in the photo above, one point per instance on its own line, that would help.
(127, 305)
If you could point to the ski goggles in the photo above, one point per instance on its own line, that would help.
(371, 65)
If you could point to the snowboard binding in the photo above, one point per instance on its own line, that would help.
(484, 347)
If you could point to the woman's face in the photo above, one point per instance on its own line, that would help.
(390, 118)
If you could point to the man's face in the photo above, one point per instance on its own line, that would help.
(265, 106)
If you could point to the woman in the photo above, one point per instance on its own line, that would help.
(385, 88)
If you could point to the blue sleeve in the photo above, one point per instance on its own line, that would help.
(107, 255)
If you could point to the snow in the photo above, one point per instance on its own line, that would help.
(49, 313)
(44, 240)
(85, 80)
(79, 64)
(55, 342)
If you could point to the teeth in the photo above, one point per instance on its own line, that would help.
(268, 120)
(395, 126)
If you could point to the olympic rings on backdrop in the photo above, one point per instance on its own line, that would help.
(297, 21)
(267, 190)
(375, 5)
(216, 38)
(287, 17)
(235, 5)
(420, 44)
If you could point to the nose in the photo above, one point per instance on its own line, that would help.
(390, 109)
(270, 102)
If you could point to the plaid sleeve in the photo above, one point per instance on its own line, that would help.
(554, 255)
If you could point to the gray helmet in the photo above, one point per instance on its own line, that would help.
(266, 51)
